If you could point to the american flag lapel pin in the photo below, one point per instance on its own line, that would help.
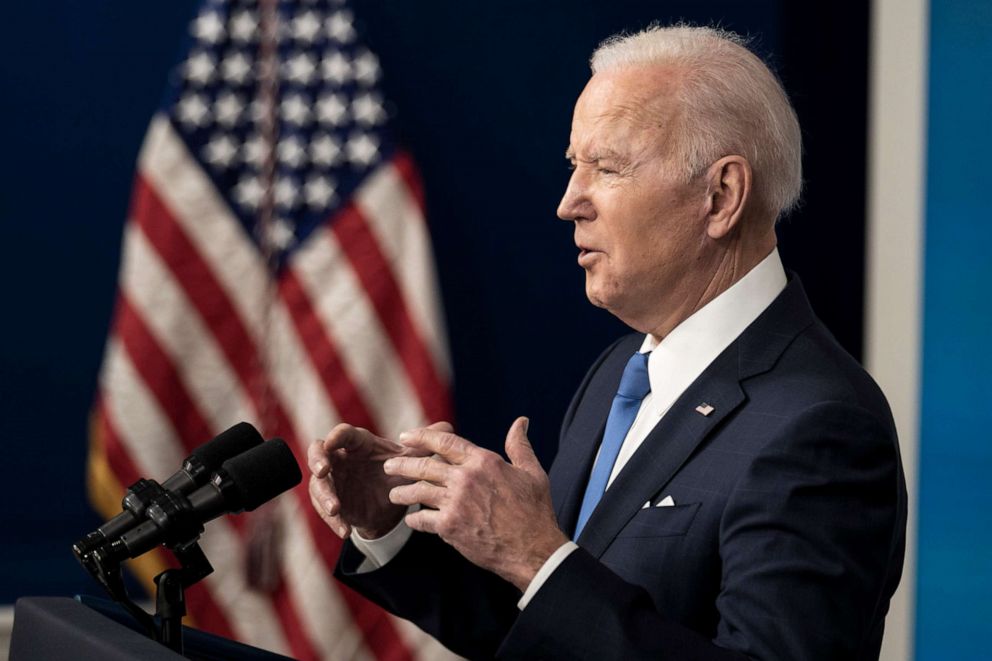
(704, 409)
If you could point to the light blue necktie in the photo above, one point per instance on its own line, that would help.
(634, 385)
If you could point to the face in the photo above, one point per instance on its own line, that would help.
(641, 232)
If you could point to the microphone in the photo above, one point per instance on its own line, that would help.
(241, 484)
(195, 472)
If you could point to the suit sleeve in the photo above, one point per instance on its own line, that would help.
(806, 540)
(467, 608)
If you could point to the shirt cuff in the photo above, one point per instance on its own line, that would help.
(542, 575)
(381, 550)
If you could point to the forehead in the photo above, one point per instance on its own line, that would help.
(637, 101)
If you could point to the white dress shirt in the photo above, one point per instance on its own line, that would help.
(675, 362)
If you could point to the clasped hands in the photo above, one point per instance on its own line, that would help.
(497, 514)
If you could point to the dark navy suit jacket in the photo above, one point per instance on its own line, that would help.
(786, 540)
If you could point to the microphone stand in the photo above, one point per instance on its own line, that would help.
(170, 592)
(170, 588)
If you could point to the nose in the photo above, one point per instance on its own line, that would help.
(575, 204)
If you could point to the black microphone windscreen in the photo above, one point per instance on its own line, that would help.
(229, 443)
(262, 473)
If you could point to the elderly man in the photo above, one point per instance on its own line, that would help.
(728, 483)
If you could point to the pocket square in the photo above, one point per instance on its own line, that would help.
(667, 501)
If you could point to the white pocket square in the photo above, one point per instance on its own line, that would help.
(667, 501)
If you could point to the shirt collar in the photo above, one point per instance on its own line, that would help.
(690, 347)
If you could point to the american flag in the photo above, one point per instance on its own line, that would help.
(276, 268)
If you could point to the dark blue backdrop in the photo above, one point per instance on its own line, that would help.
(484, 95)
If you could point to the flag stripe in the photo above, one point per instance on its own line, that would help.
(408, 173)
(371, 267)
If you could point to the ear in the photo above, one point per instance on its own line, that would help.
(728, 192)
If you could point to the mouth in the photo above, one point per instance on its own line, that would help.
(587, 255)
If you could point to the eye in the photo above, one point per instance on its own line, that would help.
(570, 165)
(603, 170)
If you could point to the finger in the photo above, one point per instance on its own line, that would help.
(451, 447)
(518, 447)
(347, 437)
(441, 426)
(419, 468)
(317, 459)
(323, 491)
(424, 520)
(418, 493)
(417, 452)
(340, 528)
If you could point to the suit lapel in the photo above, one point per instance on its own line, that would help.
(663, 452)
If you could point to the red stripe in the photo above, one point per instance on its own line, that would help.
(206, 294)
(373, 270)
(202, 607)
(403, 163)
(330, 368)
(117, 457)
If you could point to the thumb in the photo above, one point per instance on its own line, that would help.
(518, 447)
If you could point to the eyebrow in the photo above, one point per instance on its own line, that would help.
(602, 155)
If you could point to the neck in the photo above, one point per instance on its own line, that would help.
(731, 263)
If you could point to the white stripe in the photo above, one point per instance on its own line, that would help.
(399, 227)
(344, 309)
(147, 435)
(896, 188)
(174, 321)
(6, 630)
(422, 645)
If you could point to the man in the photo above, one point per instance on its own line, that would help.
(729, 475)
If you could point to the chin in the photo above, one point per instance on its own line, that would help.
(598, 298)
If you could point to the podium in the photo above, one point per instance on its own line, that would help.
(89, 628)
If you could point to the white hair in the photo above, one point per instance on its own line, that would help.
(731, 104)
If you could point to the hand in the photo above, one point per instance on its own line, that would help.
(348, 487)
(496, 514)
